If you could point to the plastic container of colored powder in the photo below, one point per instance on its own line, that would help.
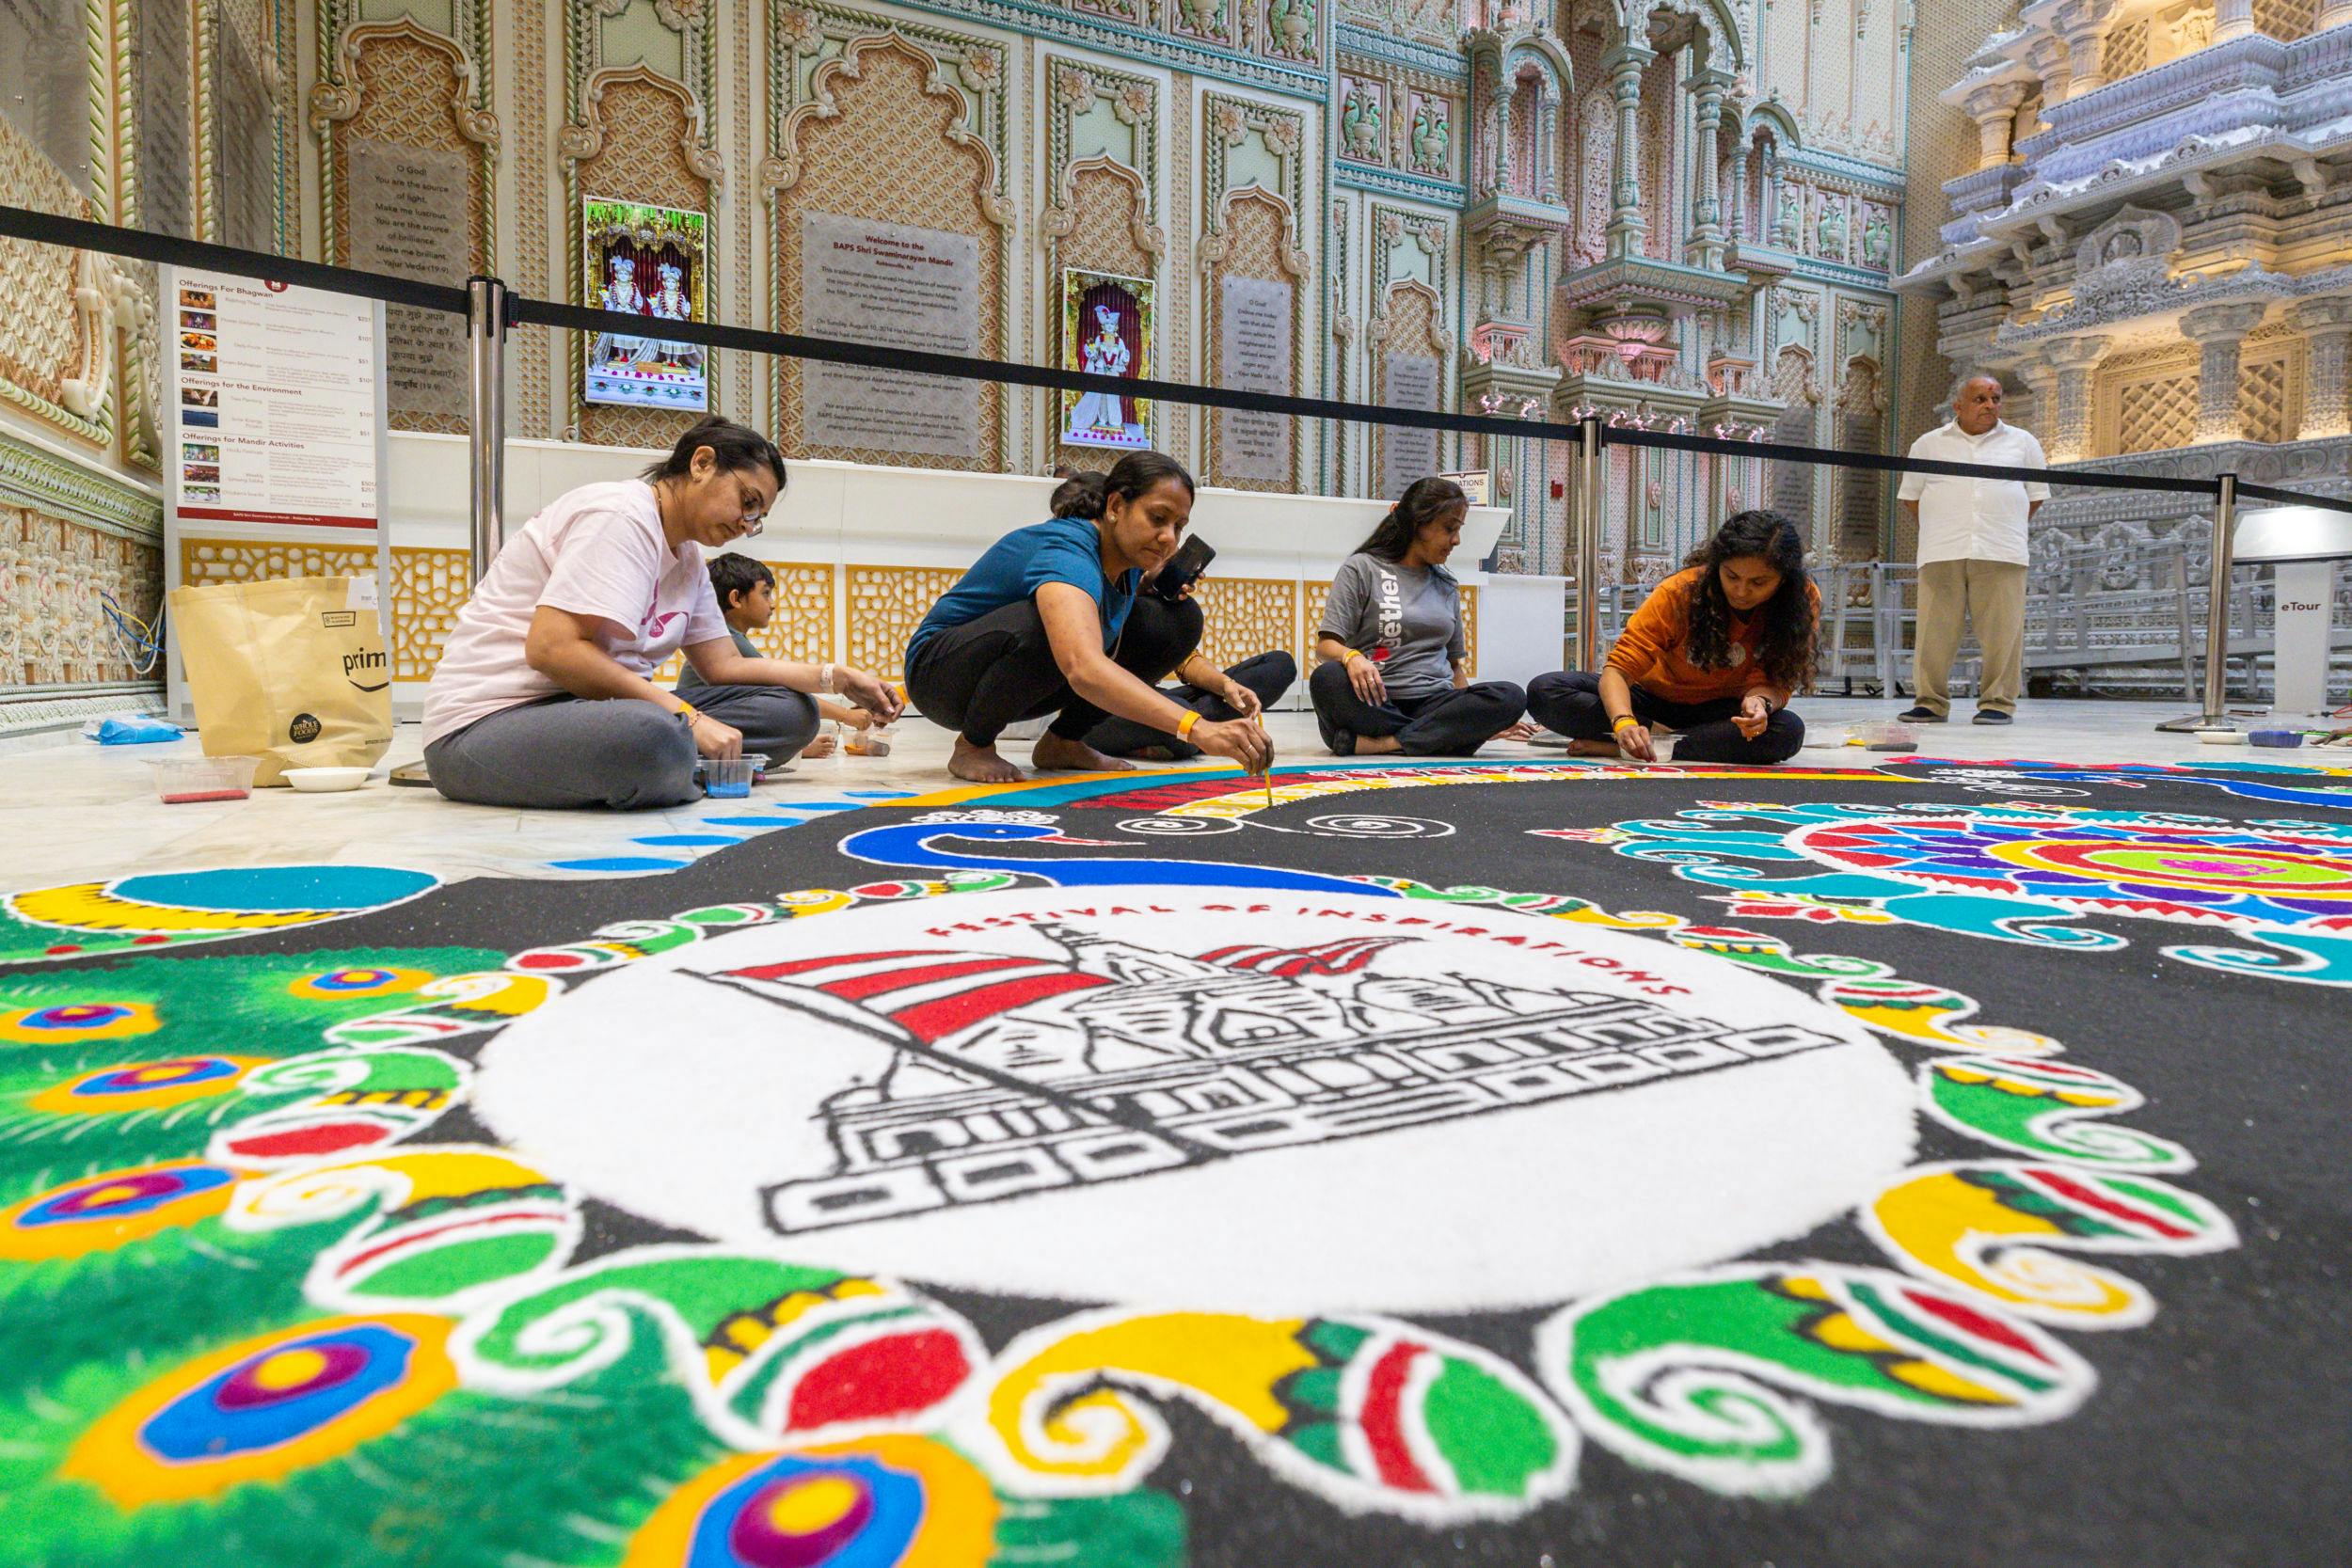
(727, 781)
(188, 781)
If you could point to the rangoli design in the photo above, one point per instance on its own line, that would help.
(905, 1128)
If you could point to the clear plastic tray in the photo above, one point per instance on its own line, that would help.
(188, 781)
(727, 781)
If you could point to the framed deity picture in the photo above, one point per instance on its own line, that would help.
(1105, 330)
(646, 261)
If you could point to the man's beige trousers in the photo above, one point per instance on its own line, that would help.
(1992, 593)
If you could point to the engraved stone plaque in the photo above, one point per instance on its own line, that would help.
(410, 214)
(896, 286)
(1405, 454)
(1255, 356)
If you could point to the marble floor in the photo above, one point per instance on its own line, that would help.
(72, 811)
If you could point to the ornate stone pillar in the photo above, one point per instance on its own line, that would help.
(2048, 60)
(1705, 247)
(2219, 331)
(1994, 110)
(2232, 19)
(1623, 64)
(1705, 240)
(2327, 398)
(1736, 198)
(1783, 221)
(2083, 26)
(2064, 396)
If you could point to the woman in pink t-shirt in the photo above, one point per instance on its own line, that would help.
(544, 694)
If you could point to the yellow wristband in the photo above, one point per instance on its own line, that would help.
(1621, 724)
(1184, 725)
(1350, 656)
(688, 711)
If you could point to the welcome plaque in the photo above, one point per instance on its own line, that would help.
(895, 285)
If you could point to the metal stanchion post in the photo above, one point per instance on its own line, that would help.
(1591, 501)
(2217, 613)
(485, 338)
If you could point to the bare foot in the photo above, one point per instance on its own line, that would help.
(820, 747)
(980, 763)
(1056, 755)
(1594, 748)
(1377, 744)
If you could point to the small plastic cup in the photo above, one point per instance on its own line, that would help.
(759, 766)
(727, 781)
(190, 781)
(1663, 746)
(1885, 735)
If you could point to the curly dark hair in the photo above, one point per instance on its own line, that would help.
(1787, 617)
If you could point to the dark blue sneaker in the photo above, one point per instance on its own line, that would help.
(1991, 716)
(1915, 715)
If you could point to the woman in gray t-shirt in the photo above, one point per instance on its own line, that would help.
(1394, 675)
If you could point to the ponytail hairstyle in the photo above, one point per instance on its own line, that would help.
(736, 448)
(1081, 495)
(1424, 502)
(1138, 473)
(1787, 619)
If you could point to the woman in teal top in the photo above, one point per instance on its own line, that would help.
(1034, 628)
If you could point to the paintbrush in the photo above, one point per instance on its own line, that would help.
(1269, 775)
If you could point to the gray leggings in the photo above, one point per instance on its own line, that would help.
(621, 753)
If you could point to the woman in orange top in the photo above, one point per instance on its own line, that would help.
(1714, 654)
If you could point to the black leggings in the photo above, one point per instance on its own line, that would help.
(1454, 723)
(999, 670)
(1165, 626)
(1568, 701)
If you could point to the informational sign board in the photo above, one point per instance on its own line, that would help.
(1474, 485)
(272, 420)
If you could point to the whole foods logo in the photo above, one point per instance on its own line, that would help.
(304, 729)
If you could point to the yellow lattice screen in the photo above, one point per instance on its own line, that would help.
(1246, 616)
(886, 604)
(429, 588)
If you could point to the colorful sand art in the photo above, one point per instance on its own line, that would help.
(373, 1193)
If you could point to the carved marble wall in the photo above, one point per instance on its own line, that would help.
(893, 124)
(180, 123)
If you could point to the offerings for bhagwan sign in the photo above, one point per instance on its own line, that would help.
(893, 286)
(275, 401)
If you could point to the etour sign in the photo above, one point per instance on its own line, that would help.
(1208, 1098)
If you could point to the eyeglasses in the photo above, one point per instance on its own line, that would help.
(754, 517)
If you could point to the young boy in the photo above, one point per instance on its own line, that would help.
(746, 590)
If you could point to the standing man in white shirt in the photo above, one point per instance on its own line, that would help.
(1972, 553)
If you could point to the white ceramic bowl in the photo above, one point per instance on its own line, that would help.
(324, 781)
(2221, 737)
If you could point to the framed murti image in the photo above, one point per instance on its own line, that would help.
(1105, 330)
(644, 262)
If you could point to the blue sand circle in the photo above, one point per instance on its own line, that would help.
(686, 841)
(277, 888)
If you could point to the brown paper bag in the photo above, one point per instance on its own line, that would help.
(292, 671)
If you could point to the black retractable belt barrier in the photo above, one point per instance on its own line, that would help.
(1590, 434)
